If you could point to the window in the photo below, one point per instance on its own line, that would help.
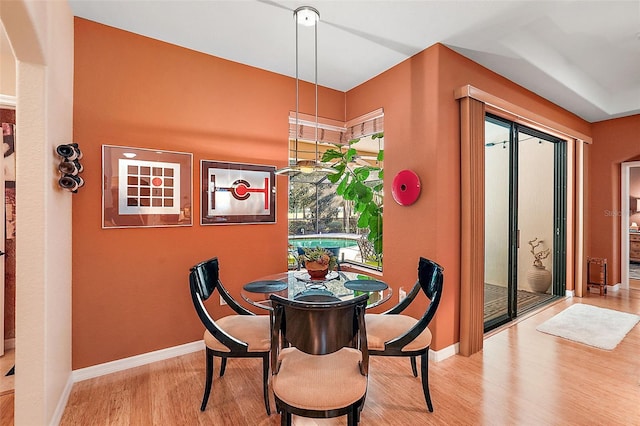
(318, 214)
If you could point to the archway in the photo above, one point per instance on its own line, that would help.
(44, 118)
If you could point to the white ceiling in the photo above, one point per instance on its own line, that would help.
(581, 55)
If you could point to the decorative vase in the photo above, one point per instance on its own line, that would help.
(539, 279)
(316, 270)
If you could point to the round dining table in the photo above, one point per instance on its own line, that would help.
(298, 285)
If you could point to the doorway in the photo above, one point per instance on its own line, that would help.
(630, 225)
(7, 244)
(525, 217)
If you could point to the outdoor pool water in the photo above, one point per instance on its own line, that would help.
(320, 241)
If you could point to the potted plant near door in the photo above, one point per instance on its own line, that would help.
(538, 277)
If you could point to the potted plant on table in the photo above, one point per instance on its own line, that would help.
(318, 261)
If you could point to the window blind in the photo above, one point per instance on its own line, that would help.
(334, 131)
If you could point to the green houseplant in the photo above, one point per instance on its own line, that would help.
(318, 261)
(354, 184)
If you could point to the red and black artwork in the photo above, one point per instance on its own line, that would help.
(237, 193)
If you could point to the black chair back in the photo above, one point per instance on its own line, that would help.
(318, 328)
(203, 281)
(316, 295)
(430, 281)
(206, 276)
(336, 252)
(431, 277)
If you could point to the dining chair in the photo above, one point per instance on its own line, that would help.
(367, 250)
(300, 251)
(316, 295)
(393, 334)
(336, 252)
(244, 335)
(319, 358)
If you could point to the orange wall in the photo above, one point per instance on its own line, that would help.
(614, 142)
(422, 133)
(130, 291)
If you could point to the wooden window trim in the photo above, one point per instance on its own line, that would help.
(519, 114)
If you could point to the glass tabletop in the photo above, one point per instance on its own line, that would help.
(298, 285)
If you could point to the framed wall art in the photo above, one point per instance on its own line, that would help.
(145, 187)
(234, 193)
(9, 145)
(9, 163)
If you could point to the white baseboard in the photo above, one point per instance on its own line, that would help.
(8, 101)
(569, 293)
(442, 354)
(614, 287)
(62, 402)
(609, 288)
(135, 361)
(9, 343)
(162, 354)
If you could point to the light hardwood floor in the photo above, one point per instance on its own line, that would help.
(522, 377)
(6, 387)
(6, 362)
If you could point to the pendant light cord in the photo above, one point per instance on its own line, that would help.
(307, 16)
(315, 52)
(297, 90)
(316, 82)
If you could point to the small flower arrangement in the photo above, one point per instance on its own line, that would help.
(321, 256)
(542, 254)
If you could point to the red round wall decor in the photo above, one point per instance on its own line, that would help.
(406, 187)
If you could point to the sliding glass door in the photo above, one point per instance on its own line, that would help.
(524, 219)
(497, 232)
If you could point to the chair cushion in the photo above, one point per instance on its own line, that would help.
(319, 382)
(382, 328)
(252, 329)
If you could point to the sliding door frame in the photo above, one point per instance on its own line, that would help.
(473, 104)
(559, 214)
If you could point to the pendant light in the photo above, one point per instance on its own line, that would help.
(307, 16)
